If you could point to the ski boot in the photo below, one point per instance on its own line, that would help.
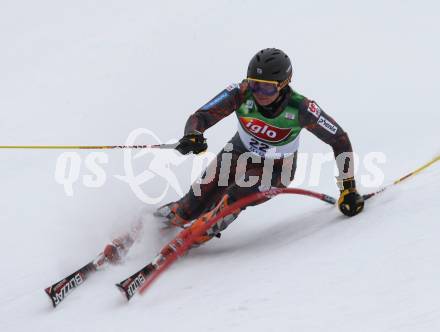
(114, 252)
(169, 212)
(219, 226)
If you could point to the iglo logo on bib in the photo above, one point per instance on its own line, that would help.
(263, 130)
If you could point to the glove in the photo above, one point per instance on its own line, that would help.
(350, 202)
(193, 142)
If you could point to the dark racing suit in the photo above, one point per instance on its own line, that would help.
(236, 98)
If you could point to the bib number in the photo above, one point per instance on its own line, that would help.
(259, 146)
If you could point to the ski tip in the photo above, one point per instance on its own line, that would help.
(123, 291)
(48, 291)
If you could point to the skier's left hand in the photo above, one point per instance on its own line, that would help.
(350, 202)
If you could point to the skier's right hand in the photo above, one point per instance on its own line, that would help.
(193, 142)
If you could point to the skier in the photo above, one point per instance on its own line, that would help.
(271, 116)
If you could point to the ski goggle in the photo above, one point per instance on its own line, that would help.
(267, 88)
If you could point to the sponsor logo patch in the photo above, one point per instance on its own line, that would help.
(289, 116)
(215, 101)
(67, 287)
(232, 87)
(135, 284)
(264, 131)
(314, 109)
(327, 125)
(249, 104)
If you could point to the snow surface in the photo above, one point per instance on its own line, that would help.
(89, 72)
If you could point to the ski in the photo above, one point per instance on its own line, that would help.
(58, 291)
(130, 285)
(179, 246)
(140, 280)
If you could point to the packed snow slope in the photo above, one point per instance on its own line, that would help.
(90, 72)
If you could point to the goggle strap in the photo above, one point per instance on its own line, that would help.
(285, 82)
(279, 84)
(262, 81)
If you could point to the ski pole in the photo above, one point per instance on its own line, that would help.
(91, 147)
(415, 172)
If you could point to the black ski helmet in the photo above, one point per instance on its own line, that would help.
(270, 64)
